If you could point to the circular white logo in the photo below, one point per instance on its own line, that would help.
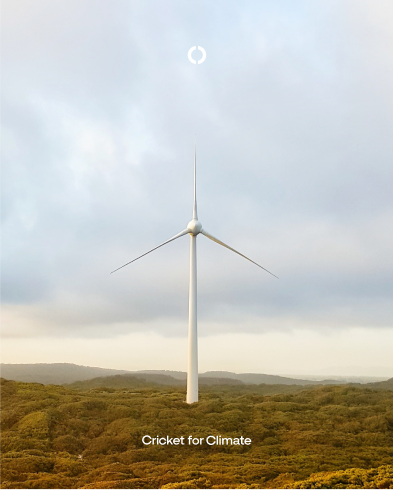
(203, 55)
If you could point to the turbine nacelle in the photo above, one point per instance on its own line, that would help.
(194, 227)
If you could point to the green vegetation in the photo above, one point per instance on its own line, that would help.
(323, 437)
(381, 477)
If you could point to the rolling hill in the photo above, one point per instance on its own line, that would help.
(65, 373)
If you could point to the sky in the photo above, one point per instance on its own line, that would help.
(293, 115)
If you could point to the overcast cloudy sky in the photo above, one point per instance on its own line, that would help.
(293, 112)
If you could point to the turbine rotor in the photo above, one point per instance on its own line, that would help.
(194, 227)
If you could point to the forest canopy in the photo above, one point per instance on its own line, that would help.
(320, 437)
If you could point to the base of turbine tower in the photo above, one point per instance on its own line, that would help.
(192, 397)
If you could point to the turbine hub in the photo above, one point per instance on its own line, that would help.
(194, 227)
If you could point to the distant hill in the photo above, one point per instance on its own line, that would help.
(57, 373)
(256, 379)
(126, 381)
(208, 380)
(246, 378)
(144, 380)
(175, 374)
(380, 385)
(64, 373)
(339, 379)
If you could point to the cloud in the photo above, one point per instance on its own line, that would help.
(293, 114)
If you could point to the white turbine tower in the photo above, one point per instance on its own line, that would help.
(194, 228)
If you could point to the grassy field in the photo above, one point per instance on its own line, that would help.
(91, 437)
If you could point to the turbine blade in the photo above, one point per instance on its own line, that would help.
(214, 239)
(184, 232)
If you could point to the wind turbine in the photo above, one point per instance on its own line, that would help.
(194, 228)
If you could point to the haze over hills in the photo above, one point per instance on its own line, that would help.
(135, 381)
(381, 385)
(342, 379)
(56, 373)
(65, 373)
(247, 378)
(255, 378)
